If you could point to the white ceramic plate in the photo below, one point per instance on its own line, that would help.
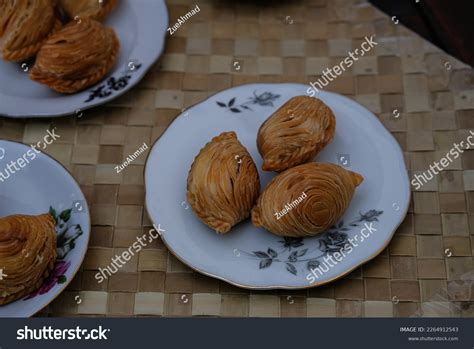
(44, 185)
(252, 257)
(141, 28)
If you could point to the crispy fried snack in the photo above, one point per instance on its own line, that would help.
(223, 183)
(305, 200)
(76, 57)
(295, 133)
(27, 254)
(24, 26)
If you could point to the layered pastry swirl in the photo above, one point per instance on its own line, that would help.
(223, 183)
(24, 27)
(27, 254)
(76, 57)
(317, 195)
(295, 133)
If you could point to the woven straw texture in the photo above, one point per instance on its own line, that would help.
(424, 270)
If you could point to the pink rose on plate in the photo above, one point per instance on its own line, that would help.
(56, 277)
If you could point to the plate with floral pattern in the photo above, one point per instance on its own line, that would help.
(43, 185)
(252, 257)
(140, 25)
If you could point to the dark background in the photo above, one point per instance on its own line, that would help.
(449, 24)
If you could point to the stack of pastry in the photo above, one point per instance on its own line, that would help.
(222, 190)
(27, 254)
(69, 57)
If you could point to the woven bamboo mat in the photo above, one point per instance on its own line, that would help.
(422, 272)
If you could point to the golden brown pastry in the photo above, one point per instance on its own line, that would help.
(6, 10)
(76, 57)
(24, 27)
(295, 133)
(92, 9)
(305, 200)
(27, 254)
(223, 183)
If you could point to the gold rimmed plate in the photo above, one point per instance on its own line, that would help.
(251, 257)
